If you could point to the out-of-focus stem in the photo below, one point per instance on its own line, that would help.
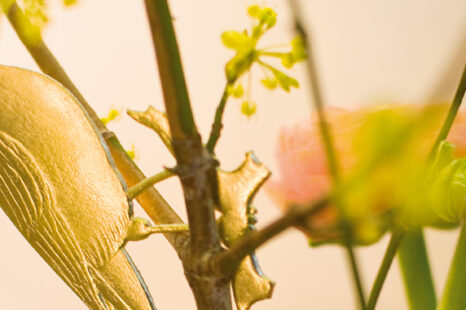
(228, 261)
(457, 100)
(390, 253)
(327, 140)
(454, 293)
(415, 269)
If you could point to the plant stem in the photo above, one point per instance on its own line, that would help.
(195, 166)
(227, 262)
(457, 100)
(415, 269)
(135, 190)
(174, 88)
(327, 140)
(393, 245)
(217, 124)
(169, 228)
(454, 293)
(151, 200)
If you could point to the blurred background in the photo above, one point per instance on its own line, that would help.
(366, 52)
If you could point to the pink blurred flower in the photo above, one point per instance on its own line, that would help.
(303, 165)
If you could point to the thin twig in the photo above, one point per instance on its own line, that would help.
(226, 262)
(332, 162)
(390, 253)
(454, 297)
(151, 201)
(168, 228)
(217, 124)
(457, 100)
(137, 189)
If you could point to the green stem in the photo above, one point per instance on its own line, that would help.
(327, 140)
(454, 293)
(169, 228)
(217, 124)
(457, 100)
(148, 182)
(416, 273)
(393, 245)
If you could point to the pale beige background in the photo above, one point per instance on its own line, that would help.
(367, 51)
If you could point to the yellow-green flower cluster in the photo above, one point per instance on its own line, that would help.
(35, 10)
(112, 115)
(245, 44)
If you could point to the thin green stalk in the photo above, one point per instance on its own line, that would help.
(217, 124)
(457, 100)
(169, 228)
(416, 273)
(390, 253)
(327, 140)
(148, 182)
(454, 293)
